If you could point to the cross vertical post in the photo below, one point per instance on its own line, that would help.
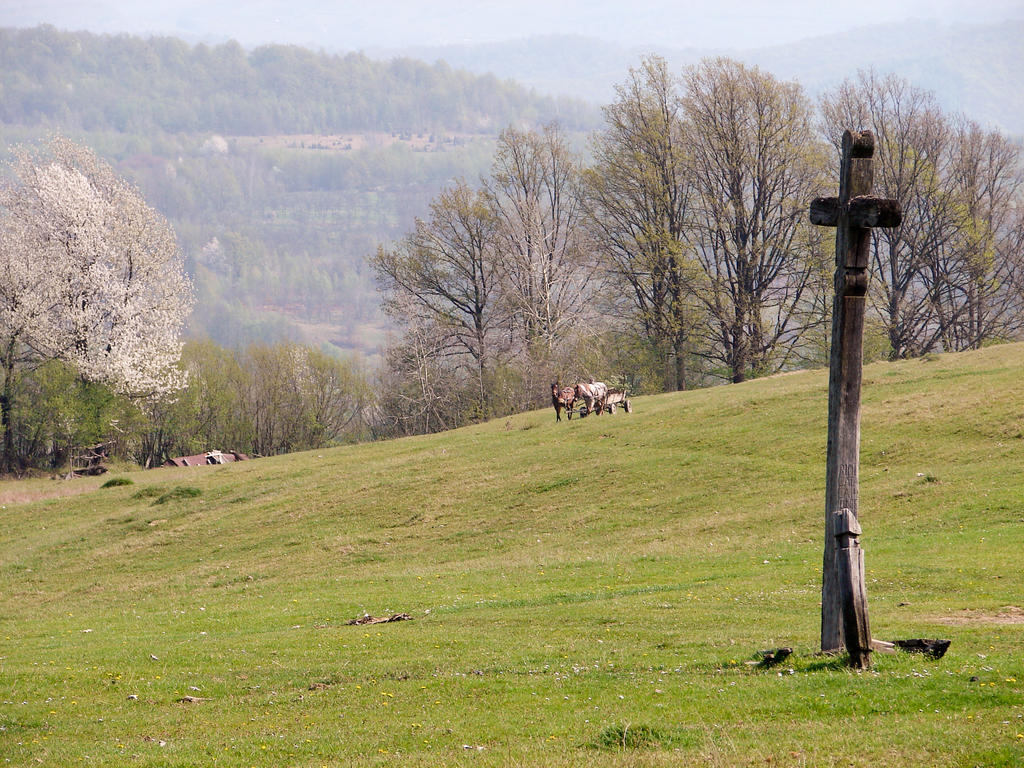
(853, 214)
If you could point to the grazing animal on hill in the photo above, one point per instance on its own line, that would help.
(562, 397)
(593, 394)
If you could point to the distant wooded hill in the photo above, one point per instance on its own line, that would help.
(280, 169)
(974, 69)
(134, 85)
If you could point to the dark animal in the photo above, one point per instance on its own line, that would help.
(562, 397)
(593, 394)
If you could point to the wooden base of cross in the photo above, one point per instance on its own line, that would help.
(853, 598)
(844, 614)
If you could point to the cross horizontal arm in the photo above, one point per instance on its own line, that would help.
(865, 212)
(825, 211)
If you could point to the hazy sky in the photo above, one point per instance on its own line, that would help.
(367, 24)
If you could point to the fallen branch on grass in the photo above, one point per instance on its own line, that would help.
(771, 658)
(368, 619)
(933, 648)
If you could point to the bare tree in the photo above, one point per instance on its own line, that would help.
(755, 161)
(986, 266)
(547, 264)
(914, 261)
(533, 189)
(295, 397)
(337, 397)
(419, 391)
(446, 273)
(637, 196)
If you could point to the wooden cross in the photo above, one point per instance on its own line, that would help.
(853, 214)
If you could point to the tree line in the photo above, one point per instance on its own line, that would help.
(262, 400)
(681, 254)
(274, 230)
(93, 299)
(133, 85)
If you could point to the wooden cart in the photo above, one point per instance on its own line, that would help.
(617, 397)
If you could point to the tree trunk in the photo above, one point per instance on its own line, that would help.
(7, 410)
(680, 364)
(7, 459)
(740, 345)
(483, 388)
(739, 355)
(482, 365)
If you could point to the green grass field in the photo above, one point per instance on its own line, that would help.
(583, 593)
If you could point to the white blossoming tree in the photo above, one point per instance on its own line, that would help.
(89, 274)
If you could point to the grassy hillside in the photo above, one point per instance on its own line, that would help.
(583, 593)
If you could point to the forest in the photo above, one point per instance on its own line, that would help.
(681, 254)
(417, 277)
(132, 85)
(279, 168)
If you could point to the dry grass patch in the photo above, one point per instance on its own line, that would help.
(1010, 614)
(28, 491)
